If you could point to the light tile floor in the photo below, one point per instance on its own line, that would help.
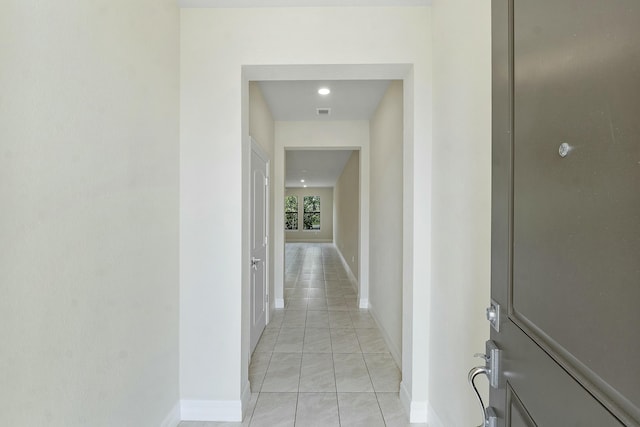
(321, 361)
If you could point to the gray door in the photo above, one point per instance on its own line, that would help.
(566, 212)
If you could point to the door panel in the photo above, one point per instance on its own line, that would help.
(566, 229)
(576, 218)
(517, 415)
(549, 394)
(259, 187)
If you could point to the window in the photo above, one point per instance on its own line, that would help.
(311, 218)
(291, 213)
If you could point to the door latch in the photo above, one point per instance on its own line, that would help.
(491, 419)
(491, 369)
(492, 366)
(254, 262)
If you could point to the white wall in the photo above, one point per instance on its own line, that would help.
(462, 204)
(215, 45)
(325, 234)
(385, 227)
(346, 225)
(89, 218)
(261, 128)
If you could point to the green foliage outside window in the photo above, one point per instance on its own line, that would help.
(290, 213)
(311, 215)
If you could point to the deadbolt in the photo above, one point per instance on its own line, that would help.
(493, 315)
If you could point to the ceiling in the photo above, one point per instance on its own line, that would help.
(319, 168)
(299, 100)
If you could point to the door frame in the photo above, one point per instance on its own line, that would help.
(363, 218)
(416, 286)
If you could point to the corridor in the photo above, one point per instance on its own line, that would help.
(321, 361)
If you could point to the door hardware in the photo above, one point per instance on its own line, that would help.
(491, 369)
(493, 315)
(254, 262)
(473, 373)
(492, 361)
(491, 419)
(564, 149)
(481, 356)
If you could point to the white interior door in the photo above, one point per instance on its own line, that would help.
(259, 241)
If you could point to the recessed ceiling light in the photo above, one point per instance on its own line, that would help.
(324, 91)
(302, 180)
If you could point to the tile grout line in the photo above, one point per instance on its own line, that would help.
(304, 334)
(333, 363)
(384, 420)
(335, 381)
(312, 269)
(375, 392)
(253, 411)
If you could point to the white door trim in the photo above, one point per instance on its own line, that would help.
(417, 150)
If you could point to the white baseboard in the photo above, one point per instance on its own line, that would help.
(173, 418)
(352, 278)
(433, 419)
(279, 302)
(211, 410)
(364, 303)
(417, 410)
(395, 351)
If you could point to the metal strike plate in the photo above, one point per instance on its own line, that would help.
(493, 315)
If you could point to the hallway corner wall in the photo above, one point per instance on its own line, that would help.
(462, 204)
(346, 212)
(89, 183)
(386, 226)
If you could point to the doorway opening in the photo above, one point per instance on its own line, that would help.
(300, 135)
